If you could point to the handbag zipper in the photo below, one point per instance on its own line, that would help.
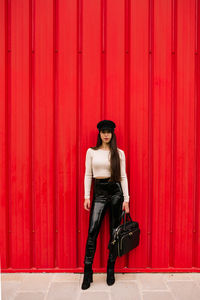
(116, 234)
(114, 241)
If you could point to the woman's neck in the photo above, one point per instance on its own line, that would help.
(103, 147)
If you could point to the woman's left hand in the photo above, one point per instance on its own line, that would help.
(125, 206)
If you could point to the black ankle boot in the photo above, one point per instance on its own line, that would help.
(110, 273)
(88, 276)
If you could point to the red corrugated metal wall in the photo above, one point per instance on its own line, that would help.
(67, 64)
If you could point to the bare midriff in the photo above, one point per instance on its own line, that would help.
(101, 177)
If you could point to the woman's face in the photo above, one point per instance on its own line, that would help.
(106, 136)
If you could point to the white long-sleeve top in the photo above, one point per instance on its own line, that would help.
(97, 164)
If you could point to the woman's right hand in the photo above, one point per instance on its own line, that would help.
(87, 204)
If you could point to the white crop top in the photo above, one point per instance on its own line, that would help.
(97, 164)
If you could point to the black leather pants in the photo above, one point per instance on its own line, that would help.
(105, 195)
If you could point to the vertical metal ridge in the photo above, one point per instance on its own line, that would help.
(30, 132)
(78, 119)
(127, 84)
(7, 124)
(32, 129)
(150, 131)
(173, 127)
(103, 56)
(197, 141)
(195, 205)
(55, 117)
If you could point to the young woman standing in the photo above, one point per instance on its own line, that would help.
(107, 165)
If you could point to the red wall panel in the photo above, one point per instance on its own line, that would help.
(65, 65)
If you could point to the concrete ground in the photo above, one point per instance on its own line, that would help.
(133, 286)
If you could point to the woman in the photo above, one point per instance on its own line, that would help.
(106, 164)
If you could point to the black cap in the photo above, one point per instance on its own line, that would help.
(106, 124)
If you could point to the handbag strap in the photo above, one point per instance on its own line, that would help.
(124, 216)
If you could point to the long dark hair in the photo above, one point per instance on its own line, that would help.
(114, 157)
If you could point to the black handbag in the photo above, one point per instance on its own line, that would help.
(125, 237)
